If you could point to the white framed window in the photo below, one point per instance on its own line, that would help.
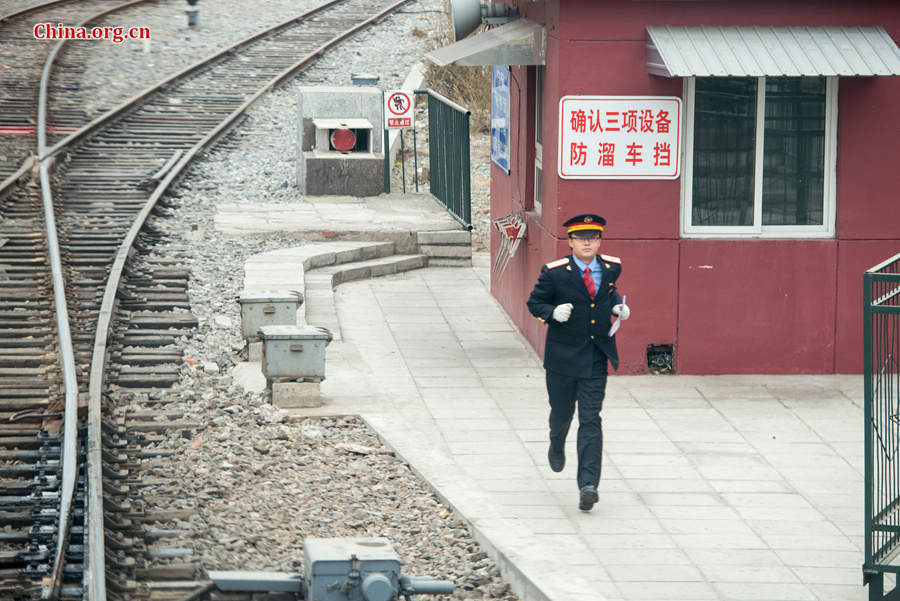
(538, 137)
(759, 158)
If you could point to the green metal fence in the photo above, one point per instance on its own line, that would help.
(448, 149)
(881, 358)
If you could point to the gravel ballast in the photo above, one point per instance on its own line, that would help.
(258, 479)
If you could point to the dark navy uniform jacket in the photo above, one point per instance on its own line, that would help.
(569, 344)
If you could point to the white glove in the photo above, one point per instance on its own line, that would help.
(562, 312)
(622, 311)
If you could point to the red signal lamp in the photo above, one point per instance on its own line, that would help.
(343, 140)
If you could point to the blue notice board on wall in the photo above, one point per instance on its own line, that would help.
(500, 116)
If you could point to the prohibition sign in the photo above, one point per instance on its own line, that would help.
(398, 103)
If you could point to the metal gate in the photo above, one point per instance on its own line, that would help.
(448, 150)
(881, 358)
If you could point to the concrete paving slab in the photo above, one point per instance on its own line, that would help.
(721, 487)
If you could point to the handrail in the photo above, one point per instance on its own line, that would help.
(448, 144)
(884, 264)
(444, 99)
(881, 346)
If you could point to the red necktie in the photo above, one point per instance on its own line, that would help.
(588, 281)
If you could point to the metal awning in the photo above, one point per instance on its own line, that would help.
(772, 51)
(521, 42)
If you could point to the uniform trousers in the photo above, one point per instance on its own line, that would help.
(564, 393)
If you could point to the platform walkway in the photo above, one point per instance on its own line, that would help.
(717, 487)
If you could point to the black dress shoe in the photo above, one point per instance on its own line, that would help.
(587, 498)
(557, 459)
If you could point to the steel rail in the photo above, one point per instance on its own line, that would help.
(27, 164)
(204, 63)
(51, 587)
(48, 67)
(95, 574)
(6, 184)
(70, 384)
(29, 9)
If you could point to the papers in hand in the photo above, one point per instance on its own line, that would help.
(618, 322)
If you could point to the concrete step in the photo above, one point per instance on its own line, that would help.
(315, 269)
(446, 252)
(354, 251)
(285, 268)
(450, 262)
(451, 248)
(359, 270)
(445, 237)
(319, 307)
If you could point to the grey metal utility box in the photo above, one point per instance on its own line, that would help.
(267, 308)
(350, 569)
(294, 351)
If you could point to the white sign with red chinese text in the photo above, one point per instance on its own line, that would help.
(619, 137)
(398, 109)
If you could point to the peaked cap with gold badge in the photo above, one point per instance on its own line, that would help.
(586, 222)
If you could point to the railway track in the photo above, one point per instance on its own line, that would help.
(23, 59)
(73, 515)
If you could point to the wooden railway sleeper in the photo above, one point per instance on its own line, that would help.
(36, 571)
(121, 505)
(162, 211)
(114, 441)
(35, 553)
(120, 460)
(123, 560)
(42, 438)
(20, 470)
(74, 568)
(17, 488)
(151, 356)
(110, 428)
(114, 473)
(51, 515)
(163, 426)
(117, 542)
(151, 318)
(112, 521)
(145, 381)
(46, 534)
(114, 488)
(17, 455)
(152, 281)
(120, 585)
(13, 518)
(11, 557)
(45, 498)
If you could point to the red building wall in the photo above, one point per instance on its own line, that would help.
(732, 305)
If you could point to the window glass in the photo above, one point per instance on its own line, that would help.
(539, 104)
(724, 151)
(794, 151)
(538, 136)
